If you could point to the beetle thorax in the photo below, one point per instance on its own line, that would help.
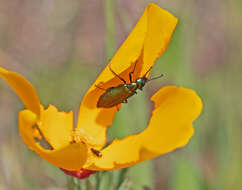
(141, 82)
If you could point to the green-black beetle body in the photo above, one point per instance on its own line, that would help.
(119, 94)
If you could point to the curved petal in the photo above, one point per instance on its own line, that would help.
(170, 127)
(70, 156)
(145, 43)
(160, 26)
(56, 127)
(23, 88)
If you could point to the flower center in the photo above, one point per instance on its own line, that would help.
(78, 136)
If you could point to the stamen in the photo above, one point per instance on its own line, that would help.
(77, 137)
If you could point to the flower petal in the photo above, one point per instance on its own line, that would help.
(175, 110)
(23, 88)
(56, 127)
(145, 43)
(170, 127)
(70, 157)
(160, 26)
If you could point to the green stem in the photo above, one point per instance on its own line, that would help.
(88, 185)
(70, 183)
(78, 184)
(122, 176)
(98, 180)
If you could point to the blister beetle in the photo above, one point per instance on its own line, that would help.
(119, 94)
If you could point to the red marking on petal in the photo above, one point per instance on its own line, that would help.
(82, 174)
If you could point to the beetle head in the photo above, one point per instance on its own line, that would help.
(141, 82)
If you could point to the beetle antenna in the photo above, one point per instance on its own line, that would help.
(155, 77)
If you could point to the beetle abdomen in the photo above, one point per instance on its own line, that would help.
(115, 95)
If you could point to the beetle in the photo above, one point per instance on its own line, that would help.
(119, 94)
(96, 152)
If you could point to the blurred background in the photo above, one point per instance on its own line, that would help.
(61, 47)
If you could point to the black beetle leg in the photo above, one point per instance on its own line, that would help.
(109, 65)
(125, 101)
(130, 77)
(132, 72)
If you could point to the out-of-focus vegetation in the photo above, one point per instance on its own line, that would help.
(61, 47)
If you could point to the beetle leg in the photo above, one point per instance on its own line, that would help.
(132, 72)
(125, 101)
(100, 87)
(117, 108)
(116, 74)
(130, 77)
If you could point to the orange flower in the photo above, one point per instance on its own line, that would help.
(170, 126)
